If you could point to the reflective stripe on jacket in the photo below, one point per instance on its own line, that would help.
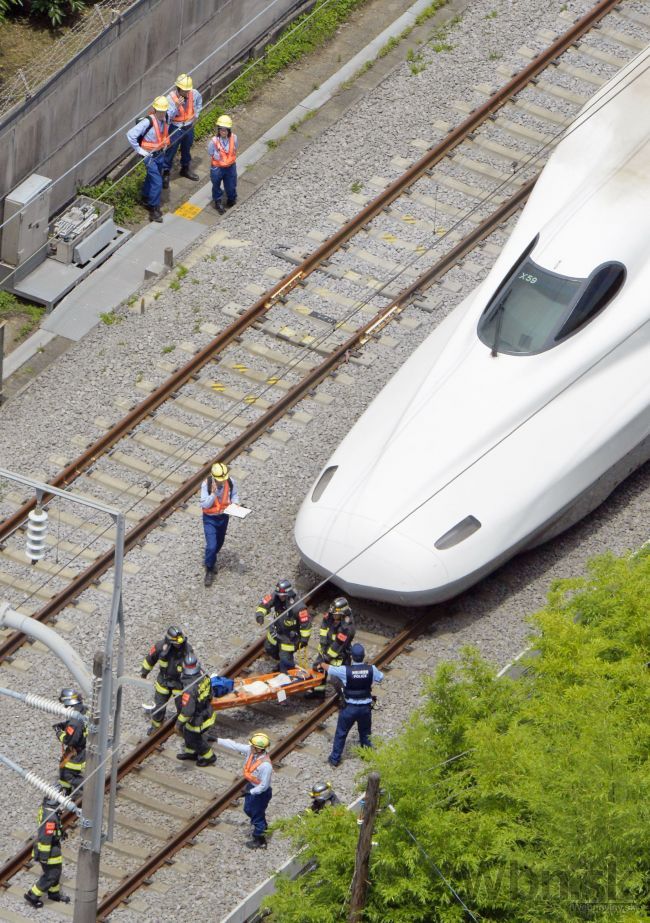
(219, 505)
(161, 139)
(252, 764)
(182, 114)
(225, 158)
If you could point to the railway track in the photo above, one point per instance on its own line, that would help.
(125, 462)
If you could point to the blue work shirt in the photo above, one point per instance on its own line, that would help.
(173, 108)
(264, 771)
(207, 500)
(341, 673)
(134, 133)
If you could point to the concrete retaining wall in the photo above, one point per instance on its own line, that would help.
(114, 79)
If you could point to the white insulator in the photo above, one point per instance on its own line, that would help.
(53, 708)
(36, 532)
(51, 791)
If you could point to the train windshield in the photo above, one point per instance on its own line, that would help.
(526, 311)
(535, 309)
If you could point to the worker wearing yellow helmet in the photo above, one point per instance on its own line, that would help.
(218, 492)
(149, 138)
(257, 772)
(223, 166)
(185, 104)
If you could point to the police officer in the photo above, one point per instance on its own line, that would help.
(185, 104)
(47, 851)
(72, 734)
(357, 680)
(257, 772)
(322, 794)
(218, 491)
(150, 139)
(336, 634)
(222, 149)
(196, 716)
(169, 655)
(290, 629)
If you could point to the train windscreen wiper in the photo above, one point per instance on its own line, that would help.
(498, 314)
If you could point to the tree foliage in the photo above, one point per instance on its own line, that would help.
(56, 11)
(529, 796)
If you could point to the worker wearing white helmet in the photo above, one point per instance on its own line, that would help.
(185, 104)
(223, 167)
(149, 138)
(257, 772)
(218, 491)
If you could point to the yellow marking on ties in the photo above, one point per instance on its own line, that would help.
(250, 399)
(240, 368)
(421, 249)
(409, 219)
(217, 386)
(272, 381)
(187, 210)
(390, 238)
(287, 331)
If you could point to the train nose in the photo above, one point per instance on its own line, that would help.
(393, 567)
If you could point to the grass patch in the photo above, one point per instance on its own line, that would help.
(495, 56)
(308, 115)
(415, 61)
(491, 15)
(11, 306)
(168, 349)
(123, 194)
(109, 318)
(181, 271)
(272, 143)
(356, 186)
(174, 285)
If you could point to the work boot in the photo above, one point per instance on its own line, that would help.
(257, 842)
(231, 204)
(155, 214)
(184, 755)
(59, 898)
(207, 760)
(151, 730)
(165, 178)
(209, 576)
(32, 899)
(188, 174)
(219, 207)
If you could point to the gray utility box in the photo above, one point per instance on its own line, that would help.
(84, 229)
(27, 232)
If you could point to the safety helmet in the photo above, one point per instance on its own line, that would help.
(161, 104)
(184, 82)
(284, 589)
(219, 471)
(340, 607)
(191, 666)
(260, 740)
(175, 635)
(70, 697)
(357, 652)
(224, 121)
(322, 791)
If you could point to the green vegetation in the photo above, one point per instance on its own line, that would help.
(168, 349)
(124, 194)
(492, 14)
(10, 306)
(181, 271)
(528, 797)
(272, 143)
(174, 285)
(356, 186)
(415, 60)
(56, 11)
(495, 56)
(306, 117)
(110, 317)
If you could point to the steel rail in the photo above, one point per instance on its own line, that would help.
(315, 259)
(285, 746)
(291, 397)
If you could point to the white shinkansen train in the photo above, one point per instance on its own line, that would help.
(528, 404)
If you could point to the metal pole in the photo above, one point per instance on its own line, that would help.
(85, 905)
(2, 356)
(362, 859)
(116, 620)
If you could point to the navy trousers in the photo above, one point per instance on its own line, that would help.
(214, 528)
(255, 807)
(183, 138)
(152, 186)
(349, 716)
(227, 176)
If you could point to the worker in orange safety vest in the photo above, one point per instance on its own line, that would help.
(149, 138)
(257, 772)
(185, 107)
(223, 167)
(218, 491)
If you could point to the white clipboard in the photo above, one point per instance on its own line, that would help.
(239, 512)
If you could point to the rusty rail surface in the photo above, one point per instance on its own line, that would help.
(314, 260)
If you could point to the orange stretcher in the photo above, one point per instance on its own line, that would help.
(269, 687)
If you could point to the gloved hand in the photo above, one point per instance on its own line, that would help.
(259, 618)
(144, 674)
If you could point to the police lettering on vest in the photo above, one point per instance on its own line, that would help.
(358, 682)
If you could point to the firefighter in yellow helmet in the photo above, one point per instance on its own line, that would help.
(218, 491)
(258, 772)
(223, 167)
(149, 138)
(185, 104)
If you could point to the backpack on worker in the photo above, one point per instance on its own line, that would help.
(149, 119)
(221, 685)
